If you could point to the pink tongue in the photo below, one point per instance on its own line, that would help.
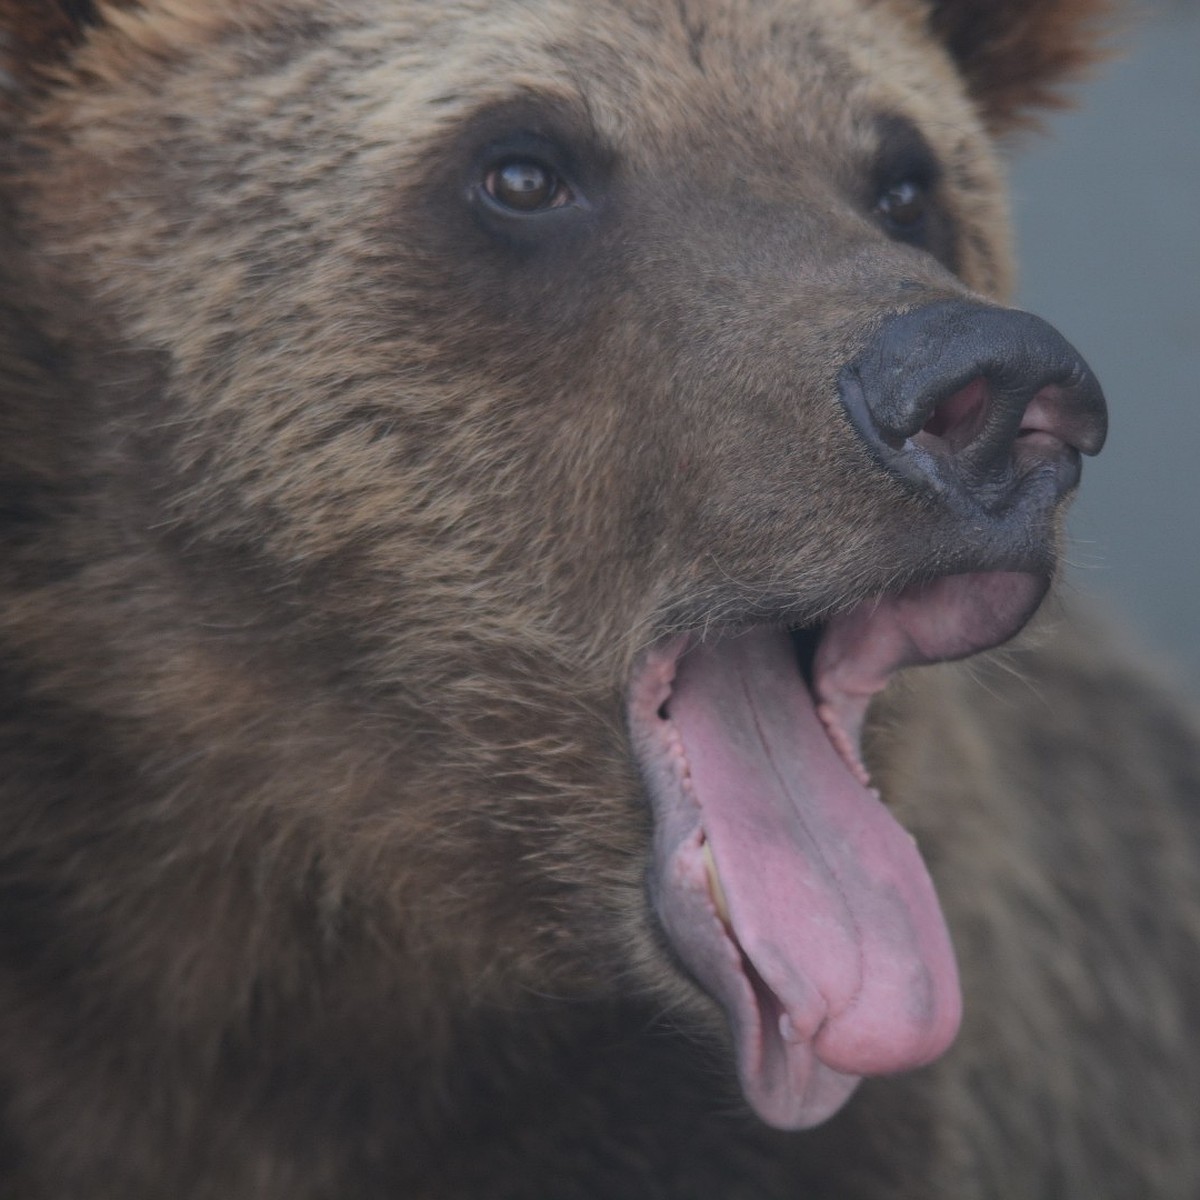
(846, 968)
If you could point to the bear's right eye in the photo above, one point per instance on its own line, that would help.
(526, 186)
(902, 207)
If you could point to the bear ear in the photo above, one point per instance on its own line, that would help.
(1016, 54)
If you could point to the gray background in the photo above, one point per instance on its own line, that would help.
(1108, 219)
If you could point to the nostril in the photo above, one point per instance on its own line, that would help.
(1055, 412)
(956, 421)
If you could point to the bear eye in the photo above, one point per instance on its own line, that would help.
(903, 206)
(525, 185)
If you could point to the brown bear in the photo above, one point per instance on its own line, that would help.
(470, 474)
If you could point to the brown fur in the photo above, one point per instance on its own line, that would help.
(331, 530)
(1015, 56)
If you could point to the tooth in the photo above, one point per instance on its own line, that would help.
(715, 890)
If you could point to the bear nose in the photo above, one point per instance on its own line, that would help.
(966, 400)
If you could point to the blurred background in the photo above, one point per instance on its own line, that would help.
(1107, 206)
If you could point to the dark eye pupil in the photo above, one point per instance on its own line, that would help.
(903, 205)
(525, 186)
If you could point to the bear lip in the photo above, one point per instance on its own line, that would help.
(784, 885)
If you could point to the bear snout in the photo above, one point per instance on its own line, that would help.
(971, 402)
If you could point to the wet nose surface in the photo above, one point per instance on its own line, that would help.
(967, 401)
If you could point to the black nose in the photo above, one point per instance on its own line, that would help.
(967, 401)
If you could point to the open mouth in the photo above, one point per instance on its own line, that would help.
(783, 883)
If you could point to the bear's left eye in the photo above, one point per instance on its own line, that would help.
(903, 206)
(526, 186)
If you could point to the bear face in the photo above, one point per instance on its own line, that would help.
(456, 391)
(306, 408)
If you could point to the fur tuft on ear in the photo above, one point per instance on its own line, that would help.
(1016, 54)
(38, 35)
(40, 31)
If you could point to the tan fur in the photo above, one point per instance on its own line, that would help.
(330, 536)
